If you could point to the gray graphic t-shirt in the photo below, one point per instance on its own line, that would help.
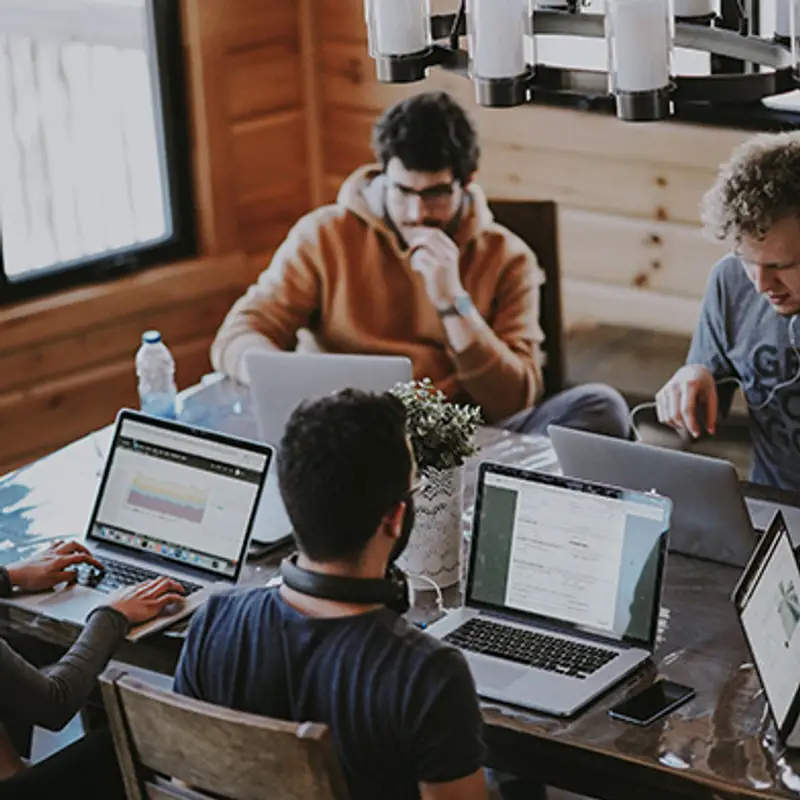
(740, 335)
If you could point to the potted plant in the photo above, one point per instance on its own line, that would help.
(442, 435)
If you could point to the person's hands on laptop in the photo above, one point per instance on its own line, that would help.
(146, 600)
(50, 567)
(688, 394)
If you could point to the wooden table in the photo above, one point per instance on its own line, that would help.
(720, 745)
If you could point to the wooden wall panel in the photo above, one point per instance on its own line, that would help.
(61, 410)
(113, 339)
(259, 234)
(341, 20)
(269, 153)
(245, 23)
(249, 97)
(662, 257)
(263, 79)
(67, 361)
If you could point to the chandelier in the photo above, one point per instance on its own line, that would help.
(405, 40)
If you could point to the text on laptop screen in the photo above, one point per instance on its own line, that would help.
(587, 559)
(770, 617)
(182, 497)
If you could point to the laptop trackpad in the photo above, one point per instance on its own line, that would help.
(72, 603)
(497, 674)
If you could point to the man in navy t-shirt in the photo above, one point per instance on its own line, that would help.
(401, 706)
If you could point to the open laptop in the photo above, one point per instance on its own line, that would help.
(563, 589)
(710, 518)
(173, 500)
(279, 382)
(767, 601)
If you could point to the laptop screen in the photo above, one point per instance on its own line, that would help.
(769, 609)
(181, 494)
(569, 551)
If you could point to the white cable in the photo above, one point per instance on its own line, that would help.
(632, 417)
(778, 386)
(436, 587)
(731, 379)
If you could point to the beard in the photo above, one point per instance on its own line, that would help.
(405, 531)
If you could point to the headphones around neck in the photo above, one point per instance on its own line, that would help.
(392, 590)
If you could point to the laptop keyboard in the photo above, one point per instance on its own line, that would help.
(119, 573)
(535, 649)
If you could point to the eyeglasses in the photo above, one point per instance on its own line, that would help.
(434, 197)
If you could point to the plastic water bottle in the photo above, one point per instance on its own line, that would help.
(155, 369)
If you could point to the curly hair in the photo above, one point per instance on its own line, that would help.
(757, 187)
(428, 132)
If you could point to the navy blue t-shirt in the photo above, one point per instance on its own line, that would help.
(401, 705)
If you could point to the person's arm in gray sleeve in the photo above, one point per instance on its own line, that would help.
(52, 696)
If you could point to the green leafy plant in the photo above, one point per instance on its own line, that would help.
(441, 432)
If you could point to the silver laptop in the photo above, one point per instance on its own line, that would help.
(280, 381)
(563, 589)
(767, 600)
(173, 500)
(710, 517)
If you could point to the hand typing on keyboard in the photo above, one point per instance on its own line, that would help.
(60, 562)
(144, 601)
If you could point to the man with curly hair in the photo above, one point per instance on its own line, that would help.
(409, 261)
(748, 332)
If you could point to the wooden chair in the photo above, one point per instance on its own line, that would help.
(536, 223)
(215, 752)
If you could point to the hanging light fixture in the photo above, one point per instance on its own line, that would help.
(497, 31)
(694, 10)
(639, 54)
(399, 36)
(501, 58)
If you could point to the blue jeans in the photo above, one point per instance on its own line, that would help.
(593, 407)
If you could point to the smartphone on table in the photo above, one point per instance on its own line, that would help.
(653, 702)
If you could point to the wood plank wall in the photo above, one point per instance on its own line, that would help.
(66, 360)
(628, 194)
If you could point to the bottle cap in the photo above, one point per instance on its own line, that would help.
(151, 337)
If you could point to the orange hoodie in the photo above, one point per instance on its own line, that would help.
(342, 273)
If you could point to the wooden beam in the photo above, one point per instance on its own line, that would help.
(213, 186)
(313, 115)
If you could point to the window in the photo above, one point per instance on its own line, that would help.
(94, 173)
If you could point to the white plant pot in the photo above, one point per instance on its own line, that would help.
(435, 546)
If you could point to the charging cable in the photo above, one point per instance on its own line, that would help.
(731, 379)
(439, 599)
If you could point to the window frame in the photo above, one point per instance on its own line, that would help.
(181, 243)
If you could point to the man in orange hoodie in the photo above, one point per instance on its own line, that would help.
(409, 261)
